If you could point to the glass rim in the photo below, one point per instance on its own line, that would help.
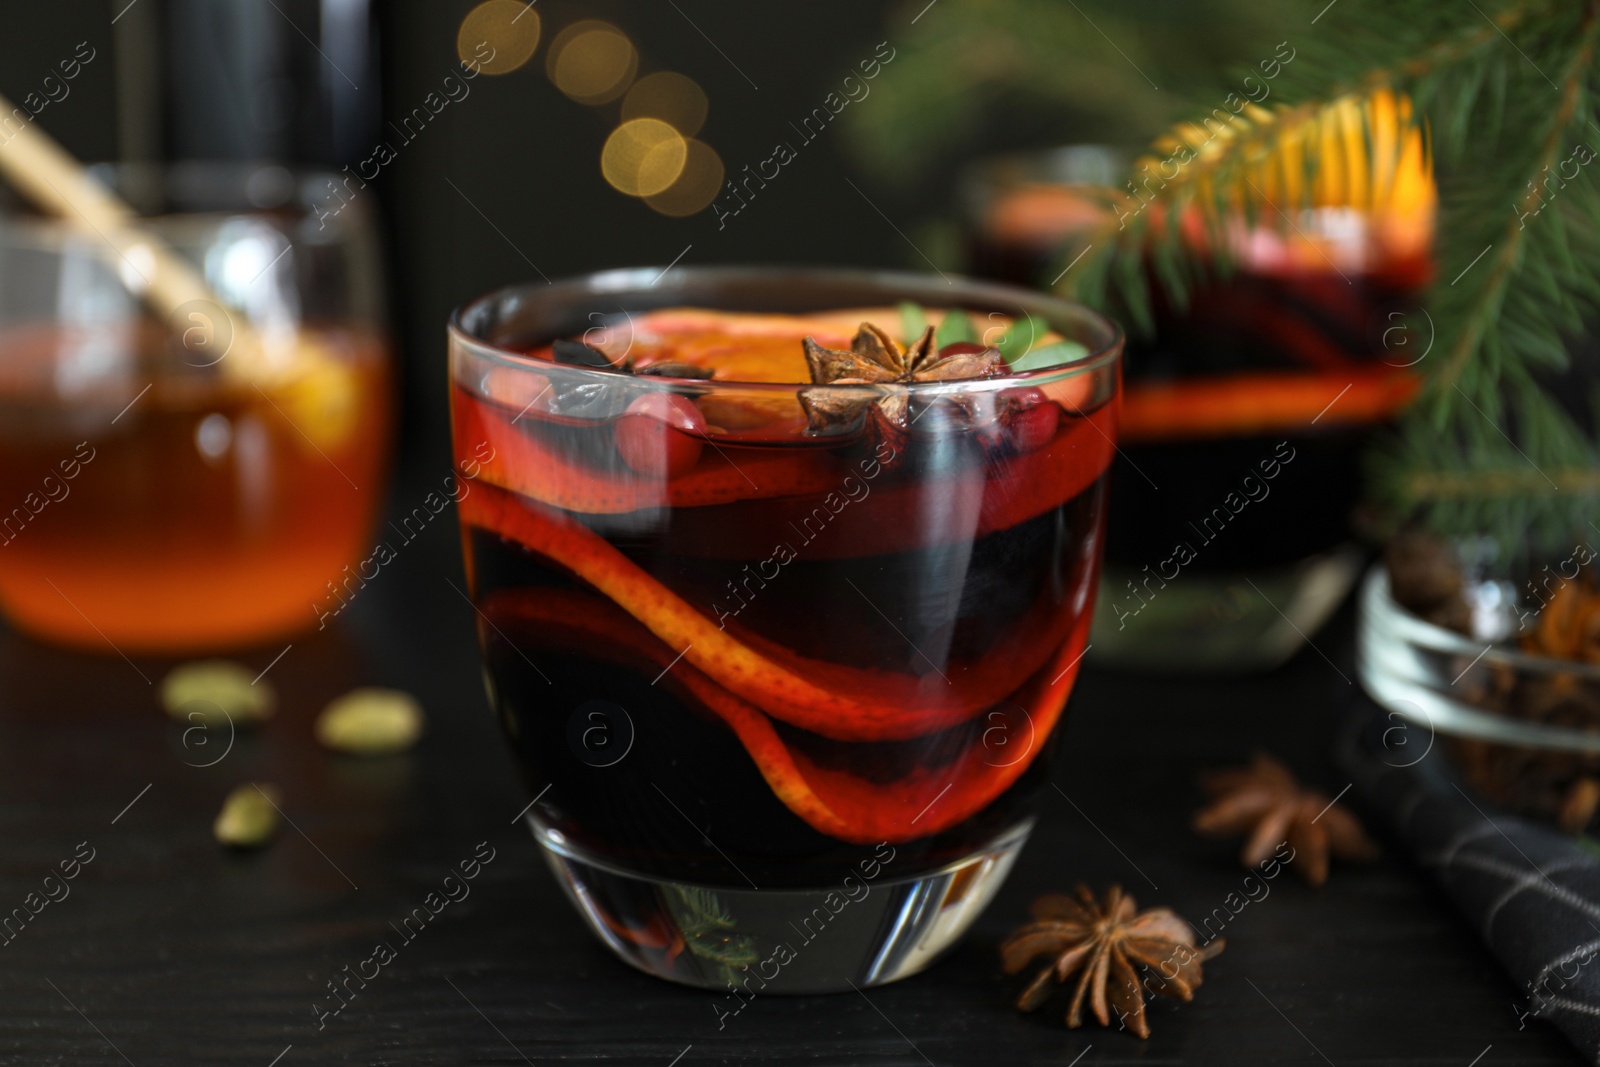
(941, 291)
(1068, 163)
(1436, 638)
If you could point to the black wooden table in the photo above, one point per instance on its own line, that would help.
(170, 950)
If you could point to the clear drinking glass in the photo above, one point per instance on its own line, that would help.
(784, 697)
(152, 497)
(1246, 414)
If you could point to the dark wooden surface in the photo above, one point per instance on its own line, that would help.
(170, 950)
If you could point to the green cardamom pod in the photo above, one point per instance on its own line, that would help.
(249, 817)
(371, 722)
(217, 690)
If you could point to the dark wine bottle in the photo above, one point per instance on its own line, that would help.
(286, 81)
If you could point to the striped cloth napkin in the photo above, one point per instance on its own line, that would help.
(1532, 892)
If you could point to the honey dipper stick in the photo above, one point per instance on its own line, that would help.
(47, 174)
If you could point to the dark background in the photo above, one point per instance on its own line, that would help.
(528, 157)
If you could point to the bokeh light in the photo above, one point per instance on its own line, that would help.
(670, 97)
(643, 157)
(592, 62)
(509, 28)
(696, 186)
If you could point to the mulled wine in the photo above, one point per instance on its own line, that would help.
(764, 597)
(1265, 384)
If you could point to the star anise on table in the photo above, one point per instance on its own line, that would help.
(1266, 802)
(1106, 942)
(875, 358)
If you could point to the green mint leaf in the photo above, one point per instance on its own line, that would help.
(955, 327)
(913, 321)
(1022, 336)
(1056, 355)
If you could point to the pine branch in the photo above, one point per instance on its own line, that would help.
(1490, 298)
(1222, 162)
(1492, 446)
(1489, 449)
(1523, 482)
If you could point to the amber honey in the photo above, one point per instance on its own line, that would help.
(163, 509)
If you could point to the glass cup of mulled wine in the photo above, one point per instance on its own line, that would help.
(782, 580)
(1235, 530)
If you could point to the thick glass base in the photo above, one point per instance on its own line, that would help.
(866, 930)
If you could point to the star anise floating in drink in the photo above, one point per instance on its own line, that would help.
(1107, 943)
(875, 358)
(1266, 802)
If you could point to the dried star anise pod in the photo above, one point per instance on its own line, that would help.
(1266, 802)
(1108, 941)
(875, 358)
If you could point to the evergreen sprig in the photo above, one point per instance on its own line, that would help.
(1493, 445)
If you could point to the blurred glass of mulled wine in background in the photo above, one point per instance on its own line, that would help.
(1234, 528)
